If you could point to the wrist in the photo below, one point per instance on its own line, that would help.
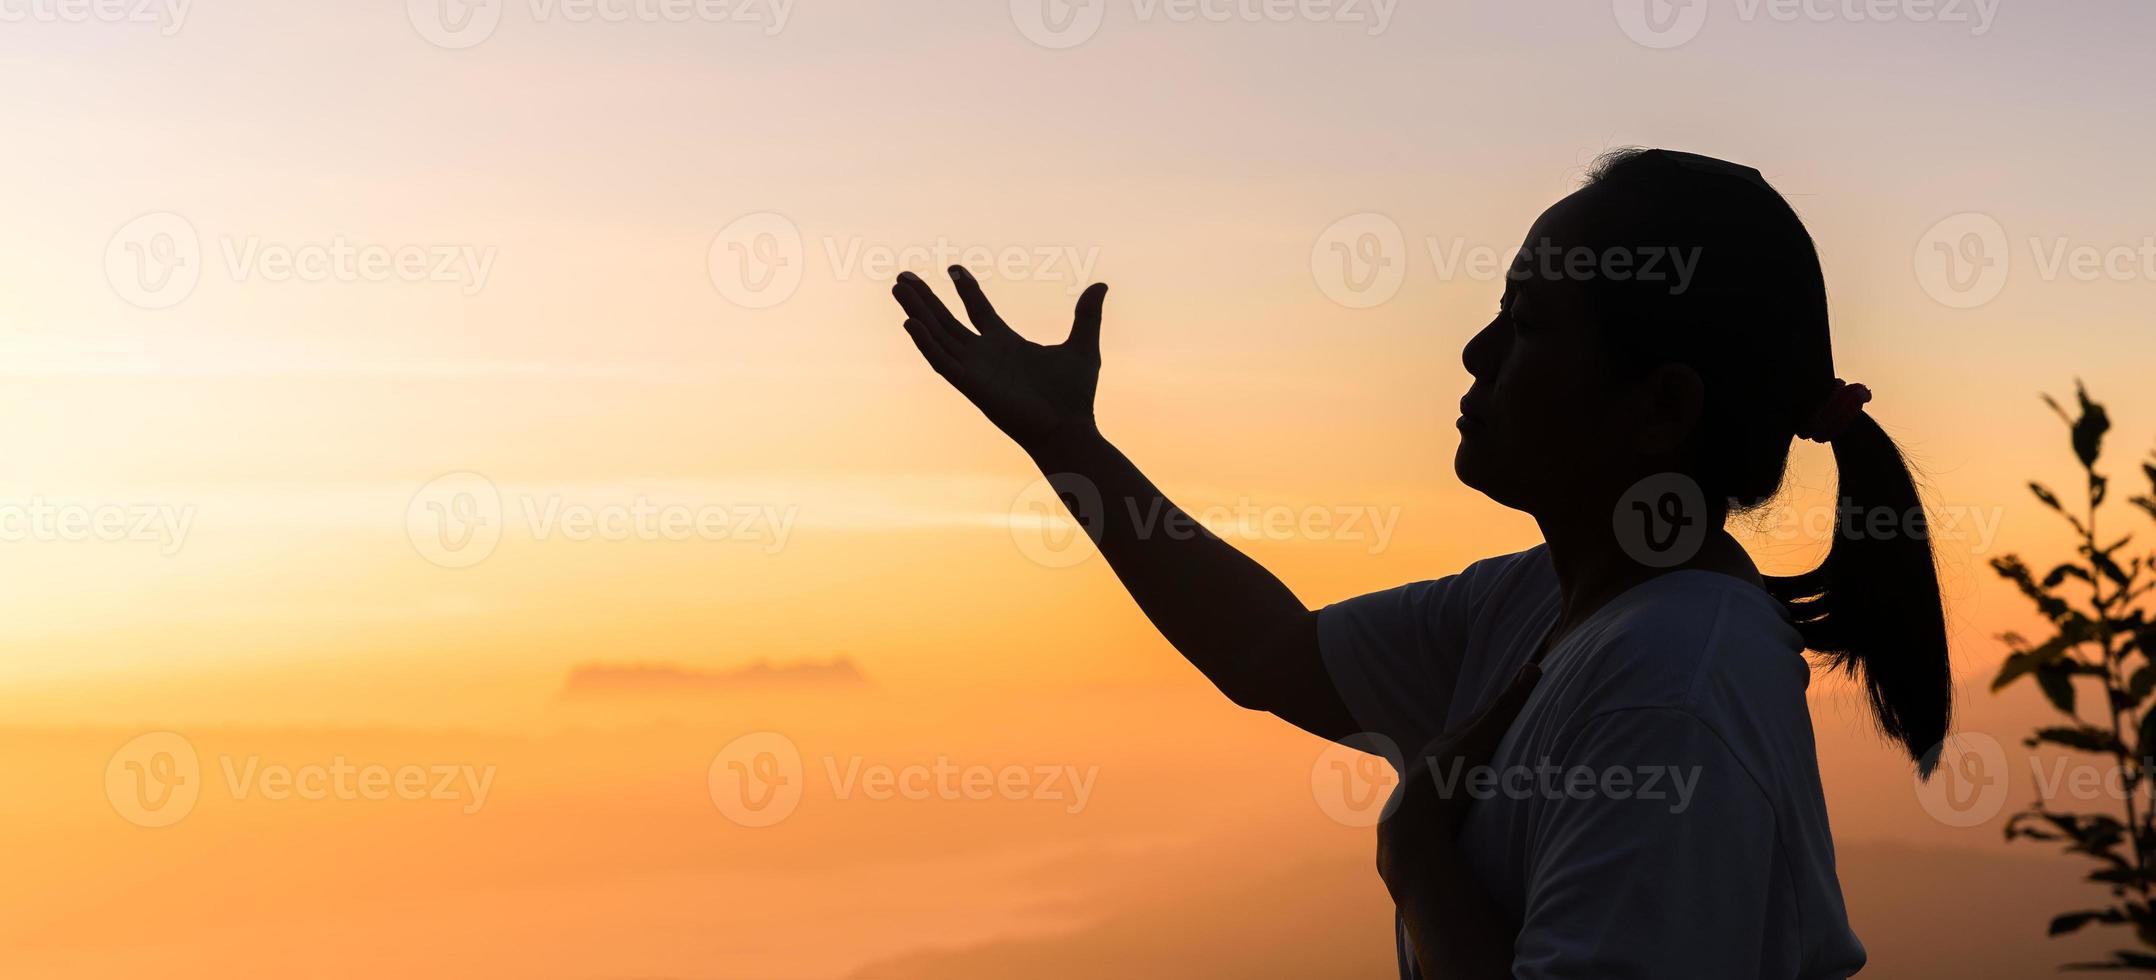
(1066, 440)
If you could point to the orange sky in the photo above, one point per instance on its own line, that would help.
(401, 260)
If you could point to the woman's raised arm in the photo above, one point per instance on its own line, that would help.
(1225, 613)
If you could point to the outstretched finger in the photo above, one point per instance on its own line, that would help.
(978, 309)
(1085, 324)
(920, 303)
(937, 355)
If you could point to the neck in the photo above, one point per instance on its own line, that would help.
(1593, 568)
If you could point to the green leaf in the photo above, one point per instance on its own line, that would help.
(2064, 572)
(2044, 494)
(2058, 688)
(2086, 738)
(2089, 429)
(2072, 921)
(2010, 567)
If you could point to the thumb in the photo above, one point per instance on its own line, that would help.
(1085, 325)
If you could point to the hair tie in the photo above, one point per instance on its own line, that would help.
(1841, 408)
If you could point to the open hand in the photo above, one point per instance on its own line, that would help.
(1033, 392)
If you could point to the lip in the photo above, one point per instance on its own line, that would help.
(1468, 419)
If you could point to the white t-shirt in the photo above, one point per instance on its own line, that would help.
(1655, 810)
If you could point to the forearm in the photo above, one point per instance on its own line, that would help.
(1224, 612)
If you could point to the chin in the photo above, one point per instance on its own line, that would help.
(1478, 472)
(1470, 467)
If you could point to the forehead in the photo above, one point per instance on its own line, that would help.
(1537, 272)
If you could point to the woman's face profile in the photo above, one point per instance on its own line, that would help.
(1541, 417)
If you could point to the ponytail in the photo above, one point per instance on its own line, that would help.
(1752, 322)
(1872, 608)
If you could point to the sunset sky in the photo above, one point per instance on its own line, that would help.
(509, 257)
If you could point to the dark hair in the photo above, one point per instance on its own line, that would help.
(1751, 321)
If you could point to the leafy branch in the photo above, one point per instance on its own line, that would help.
(2101, 633)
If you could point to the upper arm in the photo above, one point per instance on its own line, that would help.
(1290, 673)
(1391, 660)
(1624, 880)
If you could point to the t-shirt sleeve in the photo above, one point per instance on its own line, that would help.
(1394, 656)
(1656, 863)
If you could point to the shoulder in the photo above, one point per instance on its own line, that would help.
(1699, 642)
(1463, 592)
(1519, 575)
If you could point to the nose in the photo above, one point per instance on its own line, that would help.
(1486, 349)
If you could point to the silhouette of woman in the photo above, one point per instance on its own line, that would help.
(1616, 775)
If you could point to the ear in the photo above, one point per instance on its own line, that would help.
(1674, 399)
